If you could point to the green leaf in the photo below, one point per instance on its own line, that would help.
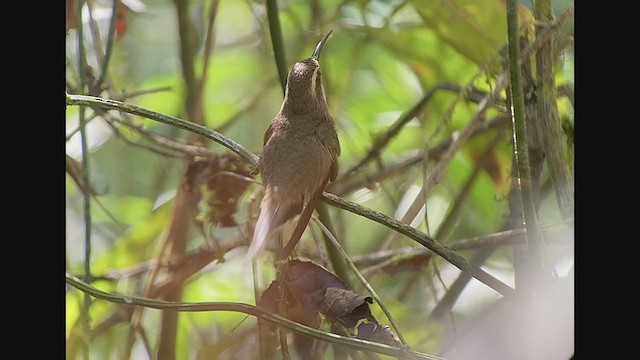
(136, 244)
(475, 28)
(128, 209)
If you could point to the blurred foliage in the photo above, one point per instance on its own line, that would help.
(382, 58)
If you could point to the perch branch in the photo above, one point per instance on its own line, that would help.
(331, 199)
(424, 240)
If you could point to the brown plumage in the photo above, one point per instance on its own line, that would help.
(301, 149)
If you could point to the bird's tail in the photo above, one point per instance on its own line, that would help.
(272, 216)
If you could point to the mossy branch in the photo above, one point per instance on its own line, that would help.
(553, 140)
(521, 148)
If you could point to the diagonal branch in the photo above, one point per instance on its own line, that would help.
(344, 185)
(451, 256)
(381, 142)
(165, 119)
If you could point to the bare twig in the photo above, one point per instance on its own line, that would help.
(438, 172)
(503, 238)
(192, 151)
(136, 93)
(164, 152)
(247, 105)
(449, 299)
(165, 119)
(110, 40)
(345, 186)
(74, 170)
(95, 35)
(456, 208)
(381, 141)
(448, 254)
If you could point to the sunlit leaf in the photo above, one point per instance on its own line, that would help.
(136, 244)
(474, 28)
(127, 209)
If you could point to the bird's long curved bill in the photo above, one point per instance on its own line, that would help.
(316, 53)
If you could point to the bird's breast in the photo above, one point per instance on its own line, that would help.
(294, 164)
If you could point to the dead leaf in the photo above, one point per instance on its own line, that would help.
(347, 307)
(309, 281)
(222, 176)
(378, 333)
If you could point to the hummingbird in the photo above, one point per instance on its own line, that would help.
(300, 152)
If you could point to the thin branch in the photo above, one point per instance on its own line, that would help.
(247, 105)
(339, 267)
(110, 39)
(356, 344)
(502, 238)
(452, 216)
(86, 321)
(73, 132)
(461, 137)
(282, 269)
(75, 172)
(185, 149)
(424, 240)
(381, 141)
(147, 285)
(363, 281)
(165, 119)
(446, 303)
(196, 93)
(344, 185)
(277, 41)
(119, 135)
(180, 269)
(95, 34)
(136, 93)
(209, 43)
